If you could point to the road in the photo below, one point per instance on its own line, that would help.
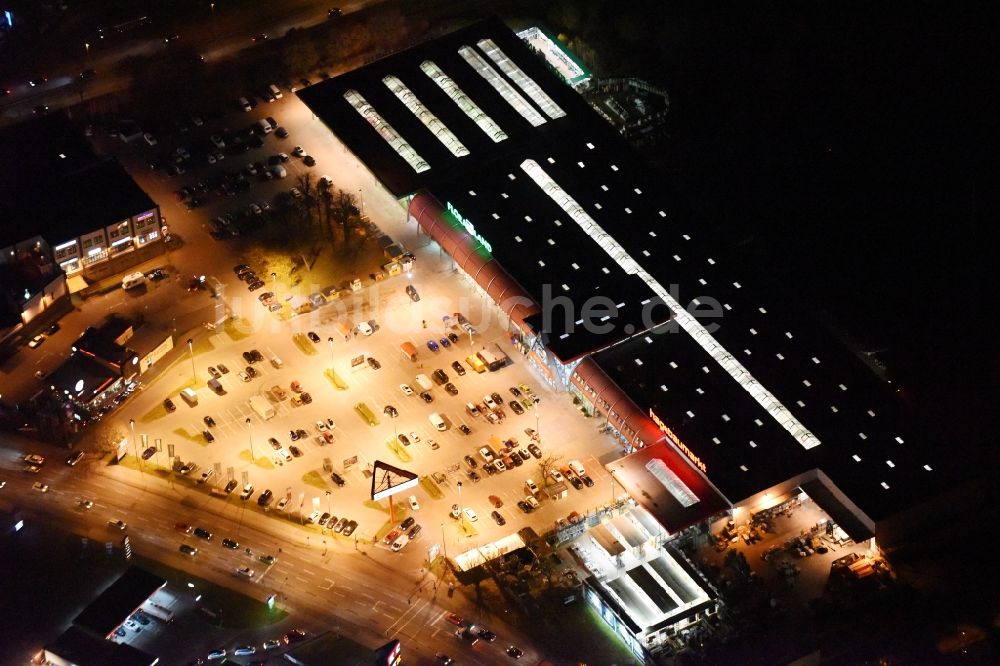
(214, 38)
(355, 587)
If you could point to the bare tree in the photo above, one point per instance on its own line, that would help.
(547, 464)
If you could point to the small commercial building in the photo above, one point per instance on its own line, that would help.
(95, 219)
(77, 647)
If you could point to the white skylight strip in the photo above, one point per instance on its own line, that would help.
(672, 482)
(736, 370)
(500, 84)
(430, 121)
(523, 81)
(468, 107)
(386, 131)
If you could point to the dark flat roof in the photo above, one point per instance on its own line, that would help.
(80, 367)
(535, 240)
(78, 647)
(746, 451)
(55, 186)
(122, 598)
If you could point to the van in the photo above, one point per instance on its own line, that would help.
(263, 126)
(424, 382)
(133, 280)
(409, 350)
(189, 396)
(279, 171)
(438, 422)
(577, 468)
(273, 89)
(216, 386)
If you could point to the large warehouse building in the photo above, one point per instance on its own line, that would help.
(720, 396)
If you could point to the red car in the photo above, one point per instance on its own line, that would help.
(455, 619)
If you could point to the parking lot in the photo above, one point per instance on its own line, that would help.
(442, 291)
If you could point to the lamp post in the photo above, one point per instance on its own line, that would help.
(135, 445)
(194, 373)
(534, 408)
(250, 436)
(461, 509)
(330, 340)
(444, 542)
(392, 413)
(329, 507)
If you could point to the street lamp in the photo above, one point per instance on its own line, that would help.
(135, 445)
(392, 413)
(330, 340)
(194, 373)
(329, 507)
(461, 509)
(250, 435)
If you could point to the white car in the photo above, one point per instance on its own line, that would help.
(217, 141)
(246, 572)
(321, 426)
(530, 499)
(489, 402)
(470, 514)
(313, 517)
(405, 388)
(499, 465)
(286, 456)
(532, 486)
(415, 438)
(557, 476)
(364, 328)
(282, 503)
(299, 151)
(40, 487)
(486, 454)
(414, 505)
(244, 376)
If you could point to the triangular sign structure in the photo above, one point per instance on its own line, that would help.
(388, 480)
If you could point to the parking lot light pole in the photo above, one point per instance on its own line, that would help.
(328, 505)
(444, 543)
(461, 509)
(194, 373)
(330, 340)
(250, 436)
(135, 445)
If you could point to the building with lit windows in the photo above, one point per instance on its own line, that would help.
(90, 211)
(723, 396)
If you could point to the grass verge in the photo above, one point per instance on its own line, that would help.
(238, 328)
(258, 460)
(428, 484)
(316, 480)
(399, 450)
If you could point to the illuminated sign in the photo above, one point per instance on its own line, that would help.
(677, 442)
(469, 227)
